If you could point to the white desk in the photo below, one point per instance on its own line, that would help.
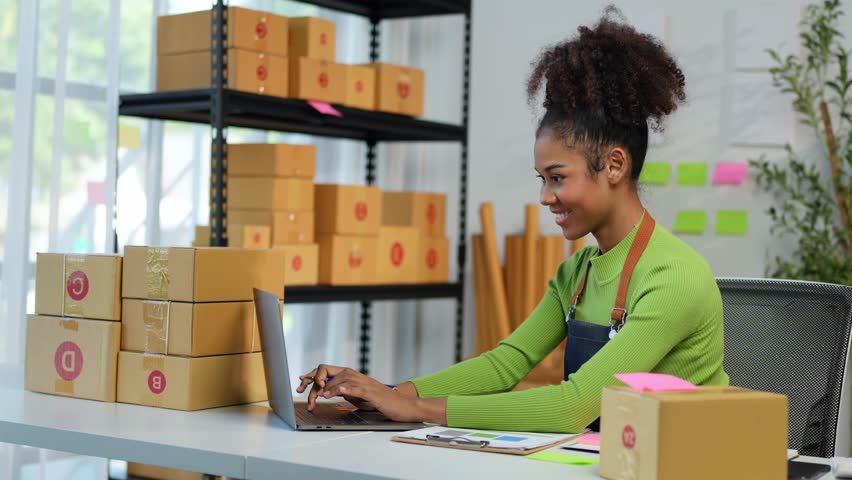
(246, 441)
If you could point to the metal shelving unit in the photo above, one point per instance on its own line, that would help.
(220, 108)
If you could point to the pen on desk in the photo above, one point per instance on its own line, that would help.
(331, 377)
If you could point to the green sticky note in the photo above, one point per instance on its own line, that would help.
(484, 435)
(656, 173)
(692, 174)
(690, 221)
(77, 133)
(731, 222)
(563, 458)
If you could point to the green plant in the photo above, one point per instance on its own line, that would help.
(815, 192)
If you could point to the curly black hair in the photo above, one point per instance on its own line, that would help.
(606, 86)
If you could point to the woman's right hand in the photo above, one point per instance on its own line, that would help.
(318, 377)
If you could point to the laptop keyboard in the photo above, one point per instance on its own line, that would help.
(329, 416)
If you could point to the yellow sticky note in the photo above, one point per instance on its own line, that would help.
(563, 458)
(129, 136)
(690, 221)
(656, 173)
(731, 222)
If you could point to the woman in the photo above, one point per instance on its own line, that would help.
(641, 301)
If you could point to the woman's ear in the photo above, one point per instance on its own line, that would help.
(617, 165)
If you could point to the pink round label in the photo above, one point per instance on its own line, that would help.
(260, 30)
(397, 253)
(297, 263)
(359, 86)
(323, 80)
(431, 258)
(261, 72)
(628, 437)
(77, 285)
(156, 382)
(68, 361)
(360, 211)
(431, 213)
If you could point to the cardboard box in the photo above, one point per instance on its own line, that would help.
(312, 79)
(287, 227)
(312, 37)
(247, 71)
(301, 264)
(271, 160)
(426, 211)
(73, 357)
(142, 470)
(239, 236)
(398, 255)
(292, 194)
(434, 260)
(348, 209)
(188, 329)
(399, 89)
(711, 433)
(185, 383)
(347, 260)
(252, 30)
(360, 87)
(78, 286)
(203, 274)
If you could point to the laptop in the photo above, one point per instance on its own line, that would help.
(327, 415)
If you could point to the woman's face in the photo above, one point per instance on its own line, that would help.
(579, 201)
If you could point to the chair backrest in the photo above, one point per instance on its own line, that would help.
(791, 337)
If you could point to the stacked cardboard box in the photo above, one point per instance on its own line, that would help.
(240, 236)
(273, 185)
(256, 51)
(426, 214)
(189, 338)
(313, 73)
(348, 218)
(398, 89)
(72, 340)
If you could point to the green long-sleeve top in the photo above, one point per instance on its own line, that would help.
(674, 326)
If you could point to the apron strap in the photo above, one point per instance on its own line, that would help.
(643, 236)
(579, 293)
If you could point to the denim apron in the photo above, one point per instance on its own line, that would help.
(586, 339)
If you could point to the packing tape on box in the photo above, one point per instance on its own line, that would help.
(63, 386)
(69, 324)
(157, 272)
(156, 315)
(75, 284)
(153, 361)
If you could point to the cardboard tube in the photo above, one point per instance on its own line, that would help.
(479, 295)
(530, 242)
(492, 264)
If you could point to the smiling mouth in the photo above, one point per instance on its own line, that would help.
(562, 217)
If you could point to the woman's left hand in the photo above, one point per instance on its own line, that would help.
(394, 405)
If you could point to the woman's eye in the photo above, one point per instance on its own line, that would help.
(556, 178)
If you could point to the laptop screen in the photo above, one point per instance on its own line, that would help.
(275, 366)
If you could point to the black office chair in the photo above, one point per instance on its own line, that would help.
(791, 337)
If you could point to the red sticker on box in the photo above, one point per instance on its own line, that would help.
(156, 382)
(360, 211)
(323, 79)
(431, 258)
(628, 437)
(77, 285)
(355, 259)
(257, 237)
(261, 72)
(403, 89)
(296, 263)
(359, 86)
(260, 29)
(323, 38)
(397, 253)
(431, 213)
(68, 361)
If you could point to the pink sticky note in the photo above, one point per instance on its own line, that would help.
(654, 382)
(325, 108)
(590, 439)
(732, 173)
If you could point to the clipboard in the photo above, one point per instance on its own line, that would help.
(484, 445)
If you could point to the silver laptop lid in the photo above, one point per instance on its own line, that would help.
(275, 366)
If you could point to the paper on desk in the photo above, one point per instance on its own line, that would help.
(655, 382)
(563, 458)
(504, 440)
(590, 439)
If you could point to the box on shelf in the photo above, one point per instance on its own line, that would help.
(188, 329)
(271, 160)
(312, 37)
(301, 264)
(686, 434)
(74, 357)
(187, 383)
(360, 87)
(287, 227)
(153, 472)
(203, 274)
(347, 260)
(78, 285)
(248, 29)
(348, 209)
(397, 257)
(434, 260)
(312, 79)
(247, 71)
(239, 236)
(399, 89)
(253, 193)
(426, 211)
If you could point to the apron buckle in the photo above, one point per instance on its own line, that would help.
(616, 320)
